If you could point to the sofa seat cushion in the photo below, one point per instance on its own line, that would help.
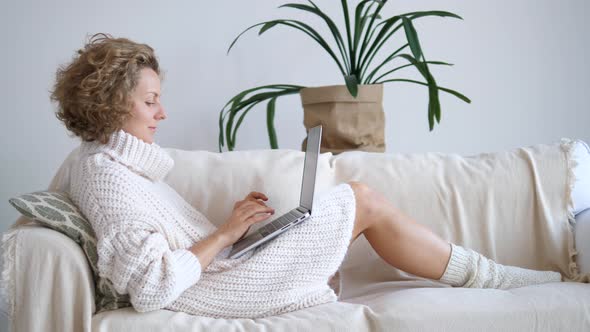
(411, 305)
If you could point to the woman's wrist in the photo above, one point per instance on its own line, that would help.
(222, 239)
(207, 249)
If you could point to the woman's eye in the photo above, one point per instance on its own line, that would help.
(149, 104)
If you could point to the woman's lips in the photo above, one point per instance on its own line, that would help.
(152, 128)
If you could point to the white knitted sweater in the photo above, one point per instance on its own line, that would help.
(144, 229)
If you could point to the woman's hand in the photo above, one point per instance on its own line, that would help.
(245, 213)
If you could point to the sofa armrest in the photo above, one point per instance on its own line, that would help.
(53, 283)
(582, 240)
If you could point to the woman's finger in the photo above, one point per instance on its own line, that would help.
(255, 209)
(250, 208)
(250, 204)
(260, 203)
(257, 195)
(259, 217)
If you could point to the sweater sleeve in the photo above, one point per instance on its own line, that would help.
(140, 262)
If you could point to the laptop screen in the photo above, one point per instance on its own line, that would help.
(312, 152)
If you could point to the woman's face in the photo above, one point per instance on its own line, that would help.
(147, 110)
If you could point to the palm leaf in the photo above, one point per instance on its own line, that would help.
(359, 20)
(299, 26)
(243, 32)
(242, 104)
(453, 92)
(317, 37)
(434, 103)
(412, 37)
(366, 57)
(348, 37)
(389, 58)
(352, 84)
(244, 111)
(439, 13)
(408, 65)
(385, 34)
(368, 34)
(238, 98)
(373, 17)
(235, 101)
(270, 116)
(333, 28)
(249, 102)
(431, 111)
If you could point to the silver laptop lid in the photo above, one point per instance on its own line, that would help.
(312, 152)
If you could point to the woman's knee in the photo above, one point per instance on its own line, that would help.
(361, 193)
(361, 223)
(370, 204)
(358, 187)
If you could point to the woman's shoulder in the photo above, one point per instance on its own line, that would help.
(98, 172)
(101, 186)
(99, 165)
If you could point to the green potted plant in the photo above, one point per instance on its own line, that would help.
(352, 114)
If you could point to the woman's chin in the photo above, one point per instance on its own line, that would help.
(149, 138)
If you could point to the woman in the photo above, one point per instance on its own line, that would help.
(155, 246)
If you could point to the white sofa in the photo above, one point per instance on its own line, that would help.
(54, 291)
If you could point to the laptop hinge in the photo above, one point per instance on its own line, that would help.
(302, 209)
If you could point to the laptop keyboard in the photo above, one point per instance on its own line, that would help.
(280, 222)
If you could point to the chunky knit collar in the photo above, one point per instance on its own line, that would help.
(146, 159)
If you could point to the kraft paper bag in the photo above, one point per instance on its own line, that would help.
(348, 123)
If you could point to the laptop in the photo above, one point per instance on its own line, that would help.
(298, 214)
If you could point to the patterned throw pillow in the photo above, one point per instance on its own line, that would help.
(55, 210)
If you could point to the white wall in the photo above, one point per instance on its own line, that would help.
(524, 65)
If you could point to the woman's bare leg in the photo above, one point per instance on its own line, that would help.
(412, 247)
(398, 239)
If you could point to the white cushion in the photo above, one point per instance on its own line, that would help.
(581, 187)
(583, 241)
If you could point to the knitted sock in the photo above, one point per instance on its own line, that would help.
(468, 268)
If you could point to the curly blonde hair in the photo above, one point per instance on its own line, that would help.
(93, 91)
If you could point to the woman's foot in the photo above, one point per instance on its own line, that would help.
(468, 268)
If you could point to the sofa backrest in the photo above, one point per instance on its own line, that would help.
(511, 206)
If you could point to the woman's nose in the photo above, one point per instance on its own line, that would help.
(162, 113)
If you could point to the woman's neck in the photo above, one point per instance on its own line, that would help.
(147, 159)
